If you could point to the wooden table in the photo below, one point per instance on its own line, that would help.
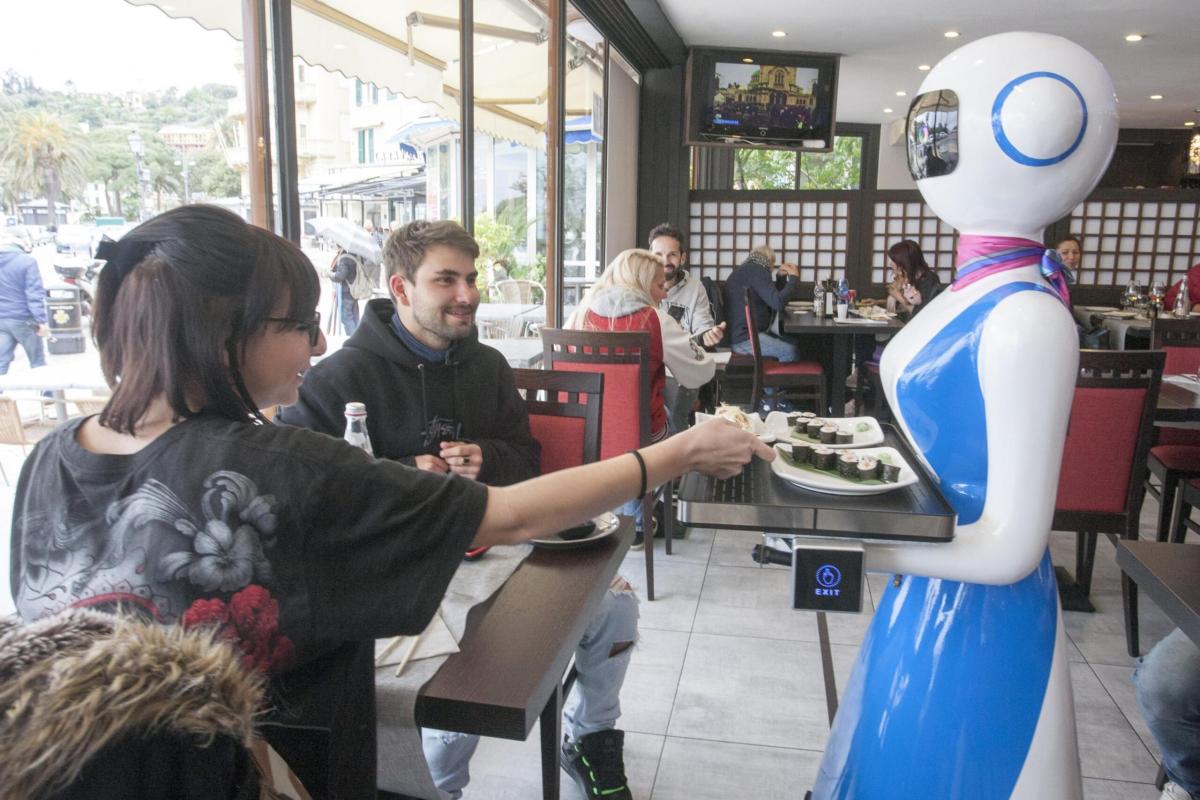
(806, 323)
(1178, 401)
(517, 645)
(1168, 573)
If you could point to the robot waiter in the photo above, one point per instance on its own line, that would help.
(961, 688)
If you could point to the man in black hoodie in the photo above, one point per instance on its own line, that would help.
(439, 400)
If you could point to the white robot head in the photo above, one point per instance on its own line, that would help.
(1010, 132)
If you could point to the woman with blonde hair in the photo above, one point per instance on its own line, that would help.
(627, 297)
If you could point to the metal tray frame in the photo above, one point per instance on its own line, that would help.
(759, 500)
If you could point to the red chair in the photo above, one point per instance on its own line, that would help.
(800, 380)
(1176, 454)
(1100, 487)
(564, 415)
(624, 360)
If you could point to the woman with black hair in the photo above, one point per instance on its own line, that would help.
(177, 504)
(914, 282)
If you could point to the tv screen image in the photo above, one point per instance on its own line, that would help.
(766, 98)
(762, 98)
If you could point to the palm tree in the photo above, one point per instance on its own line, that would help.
(41, 153)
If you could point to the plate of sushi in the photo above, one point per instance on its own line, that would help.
(835, 432)
(873, 470)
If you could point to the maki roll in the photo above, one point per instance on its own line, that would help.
(868, 469)
(814, 426)
(823, 458)
(847, 465)
(889, 473)
(828, 434)
(808, 415)
(802, 453)
(794, 419)
(844, 437)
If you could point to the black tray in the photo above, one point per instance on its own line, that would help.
(759, 500)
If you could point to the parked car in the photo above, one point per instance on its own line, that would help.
(74, 240)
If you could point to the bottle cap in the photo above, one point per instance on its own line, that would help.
(356, 409)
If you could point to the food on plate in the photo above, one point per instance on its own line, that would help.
(734, 415)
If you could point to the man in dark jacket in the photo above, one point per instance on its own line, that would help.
(22, 307)
(439, 400)
(765, 300)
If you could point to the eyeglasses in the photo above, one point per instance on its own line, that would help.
(310, 326)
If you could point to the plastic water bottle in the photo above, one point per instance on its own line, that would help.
(356, 427)
(1183, 301)
(818, 298)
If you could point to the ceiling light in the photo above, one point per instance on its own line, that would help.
(748, 60)
(901, 94)
(924, 68)
(951, 34)
(779, 34)
(1188, 124)
(1134, 37)
(1156, 97)
(887, 111)
(339, 47)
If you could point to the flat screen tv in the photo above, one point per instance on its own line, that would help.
(761, 98)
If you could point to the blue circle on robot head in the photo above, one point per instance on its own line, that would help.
(1008, 147)
(829, 576)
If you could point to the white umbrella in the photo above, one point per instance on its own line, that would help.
(347, 235)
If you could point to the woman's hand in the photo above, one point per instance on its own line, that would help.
(720, 448)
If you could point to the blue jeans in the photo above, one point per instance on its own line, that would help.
(594, 704)
(772, 347)
(347, 309)
(24, 333)
(1168, 693)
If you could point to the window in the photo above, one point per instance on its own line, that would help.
(370, 145)
(764, 169)
(374, 94)
(839, 169)
(362, 146)
(302, 133)
(752, 168)
(358, 92)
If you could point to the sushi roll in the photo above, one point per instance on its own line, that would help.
(801, 453)
(828, 434)
(794, 419)
(814, 428)
(889, 473)
(824, 458)
(808, 415)
(868, 469)
(847, 465)
(844, 437)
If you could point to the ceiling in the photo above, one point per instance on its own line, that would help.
(882, 42)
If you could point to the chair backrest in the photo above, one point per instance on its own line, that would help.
(564, 414)
(12, 430)
(624, 359)
(513, 290)
(1180, 340)
(756, 386)
(86, 406)
(1109, 435)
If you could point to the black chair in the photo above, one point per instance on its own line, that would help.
(1100, 487)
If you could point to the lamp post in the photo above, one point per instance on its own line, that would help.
(187, 192)
(139, 150)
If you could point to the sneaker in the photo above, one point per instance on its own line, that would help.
(639, 541)
(1173, 791)
(596, 763)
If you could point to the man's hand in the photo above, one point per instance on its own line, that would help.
(431, 464)
(712, 337)
(43, 330)
(790, 269)
(463, 458)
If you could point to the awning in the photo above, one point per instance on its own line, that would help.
(378, 187)
(579, 131)
(368, 40)
(413, 137)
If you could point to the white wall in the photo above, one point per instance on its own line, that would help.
(893, 163)
(620, 169)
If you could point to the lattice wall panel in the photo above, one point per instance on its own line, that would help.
(1126, 240)
(895, 221)
(811, 234)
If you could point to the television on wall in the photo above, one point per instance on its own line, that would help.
(761, 98)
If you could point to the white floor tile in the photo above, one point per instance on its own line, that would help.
(653, 678)
(701, 770)
(677, 587)
(1108, 746)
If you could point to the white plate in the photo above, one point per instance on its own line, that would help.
(1100, 308)
(860, 321)
(606, 525)
(777, 424)
(1120, 315)
(830, 482)
(763, 431)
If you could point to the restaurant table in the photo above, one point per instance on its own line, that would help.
(1121, 331)
(800, 322)
(57, 379)
(520, 353)
(759, 500)
(1178, 402)
(1167, 572)
(516, 648)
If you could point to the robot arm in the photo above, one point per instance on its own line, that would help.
(1028, 360)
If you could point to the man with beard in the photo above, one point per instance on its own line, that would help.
(439, 400)
(687, 303)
